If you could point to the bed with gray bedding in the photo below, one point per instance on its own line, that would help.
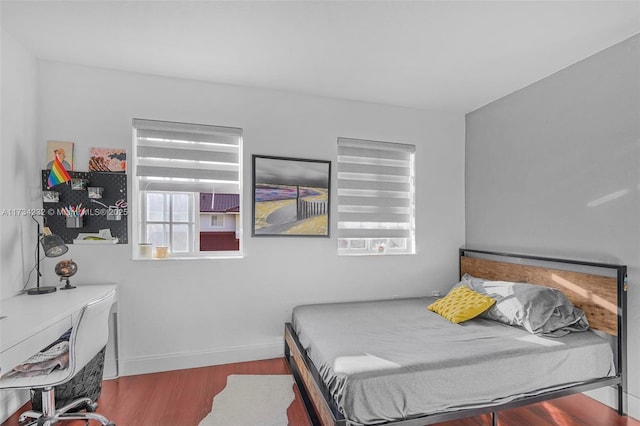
(497, 341)
(388, 360)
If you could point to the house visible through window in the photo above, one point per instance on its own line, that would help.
(219, 219)
(188, 186)
(376, 197)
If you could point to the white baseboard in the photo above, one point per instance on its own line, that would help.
(633, 408)
(609, 396)
(183, 360)
(110, 368)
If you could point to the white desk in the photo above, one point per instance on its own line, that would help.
(34, 321)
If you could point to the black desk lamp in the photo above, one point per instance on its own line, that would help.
(53, 247)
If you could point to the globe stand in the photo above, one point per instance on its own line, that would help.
(67, 285)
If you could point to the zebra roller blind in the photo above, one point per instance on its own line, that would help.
(376, 197)
(185, 157)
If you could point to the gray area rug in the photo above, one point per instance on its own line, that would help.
(252, 400)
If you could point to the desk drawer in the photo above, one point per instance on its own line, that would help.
(19, 352)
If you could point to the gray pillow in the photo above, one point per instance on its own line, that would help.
(538, 309)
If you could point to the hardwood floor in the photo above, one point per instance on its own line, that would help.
(184, 397)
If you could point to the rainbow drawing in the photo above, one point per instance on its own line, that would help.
(58, 174)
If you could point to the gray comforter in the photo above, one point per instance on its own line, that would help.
(394, 359)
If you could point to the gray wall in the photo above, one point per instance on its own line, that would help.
(554, 169)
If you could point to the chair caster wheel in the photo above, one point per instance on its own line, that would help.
(91, 408)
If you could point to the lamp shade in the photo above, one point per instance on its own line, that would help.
(53, 245)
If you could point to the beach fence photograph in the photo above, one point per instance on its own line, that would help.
(290, 196)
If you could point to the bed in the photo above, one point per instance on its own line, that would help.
(393, 362)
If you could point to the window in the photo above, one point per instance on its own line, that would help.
(186, 175)
(170, 220)
(376, 197)
(217, 220)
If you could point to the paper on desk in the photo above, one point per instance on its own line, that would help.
(105, 233)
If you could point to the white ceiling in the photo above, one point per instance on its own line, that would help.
(446, 55)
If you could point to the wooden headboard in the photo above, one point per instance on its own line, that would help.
(596, 295)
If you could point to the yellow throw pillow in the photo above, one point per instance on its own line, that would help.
(461, 304)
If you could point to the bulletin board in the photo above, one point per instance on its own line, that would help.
(107, 212)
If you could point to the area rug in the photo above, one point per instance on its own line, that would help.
(252, 400)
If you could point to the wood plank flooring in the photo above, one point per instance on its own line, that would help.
(184, 397)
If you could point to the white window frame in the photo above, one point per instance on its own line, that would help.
(218, 218)
(221, 177)
(191, 222)
(375, 179)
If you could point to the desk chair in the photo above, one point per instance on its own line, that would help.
(89, 335)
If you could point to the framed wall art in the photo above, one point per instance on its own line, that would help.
(290, 197)
(62, 150)
(108, 160)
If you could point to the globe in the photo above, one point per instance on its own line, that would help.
(66, 268)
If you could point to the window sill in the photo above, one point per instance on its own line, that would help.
(172, 258)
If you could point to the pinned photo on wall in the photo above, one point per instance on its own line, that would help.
(112, 160)
(61, 150)
(78, 184)
(50, 197)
